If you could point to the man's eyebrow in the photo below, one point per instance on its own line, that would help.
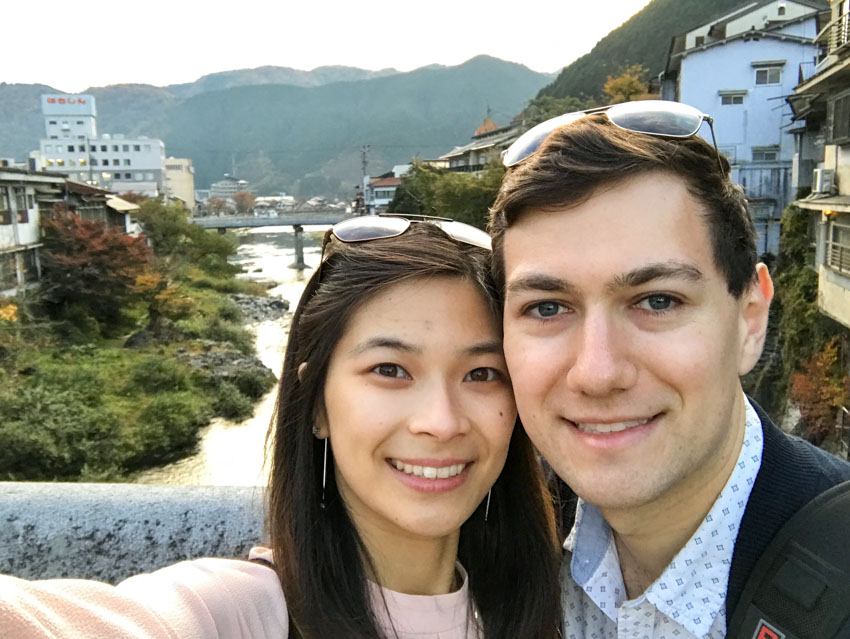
(384, 342)
(539, 282)
(671, 269)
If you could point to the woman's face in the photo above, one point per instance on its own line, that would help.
(419, 408)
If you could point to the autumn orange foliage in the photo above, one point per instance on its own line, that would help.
(819, 391)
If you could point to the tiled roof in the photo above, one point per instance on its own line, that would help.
(385, 181)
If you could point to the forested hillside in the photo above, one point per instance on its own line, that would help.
(644, 39)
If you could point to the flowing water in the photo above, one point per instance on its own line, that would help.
(231, 453)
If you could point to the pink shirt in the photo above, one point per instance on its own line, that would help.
(203, 599)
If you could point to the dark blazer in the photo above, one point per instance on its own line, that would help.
(792, 473)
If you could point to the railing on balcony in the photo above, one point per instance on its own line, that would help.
(836, 35)
(838, 248)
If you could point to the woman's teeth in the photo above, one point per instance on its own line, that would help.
(428, 472)
(604, 429)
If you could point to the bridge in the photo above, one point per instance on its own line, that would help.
(296, 219)
(288, 218)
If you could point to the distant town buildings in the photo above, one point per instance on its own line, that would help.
(380, 190)
(738, 68)
(488, 141)
(73, 147)
(180, 181)
(227, 187)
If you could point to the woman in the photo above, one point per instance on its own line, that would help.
(402, 500)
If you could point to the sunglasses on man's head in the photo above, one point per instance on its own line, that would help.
(652, 117)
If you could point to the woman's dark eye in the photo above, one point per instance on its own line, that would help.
(657, 303)
(483, 374)
(391, 370)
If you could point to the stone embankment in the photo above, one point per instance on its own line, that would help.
(259, 309)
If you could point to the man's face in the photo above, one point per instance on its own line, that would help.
(624, 344)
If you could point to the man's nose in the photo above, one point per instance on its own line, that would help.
(602, 363)
(439, 412)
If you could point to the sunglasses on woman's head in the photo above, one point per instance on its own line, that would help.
(652, 117)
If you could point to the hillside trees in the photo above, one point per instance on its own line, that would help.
(627, 86)
(426, 190)
(89, 268)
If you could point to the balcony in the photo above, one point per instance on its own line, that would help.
(836, 35)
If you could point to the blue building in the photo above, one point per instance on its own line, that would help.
(739, 67)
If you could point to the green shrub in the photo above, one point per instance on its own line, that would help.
(232, 404)
(254, 382)
(157, 374)
(219, 330)
(230, 312)
(167, 426)
(47, 433)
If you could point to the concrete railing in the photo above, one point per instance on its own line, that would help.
(111, 531)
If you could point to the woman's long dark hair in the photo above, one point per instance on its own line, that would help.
(512, 559)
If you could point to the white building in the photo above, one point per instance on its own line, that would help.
(180, 181)
(22, 194)
(226, 187)
(738, 68)
(73, 147)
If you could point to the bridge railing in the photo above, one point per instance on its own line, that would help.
(111, 531)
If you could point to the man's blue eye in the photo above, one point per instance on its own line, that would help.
(658, 302)
(547, 309)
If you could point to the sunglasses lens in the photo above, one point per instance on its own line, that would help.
(466, 234)
(369, 227)
(530, 141)
(657, 117)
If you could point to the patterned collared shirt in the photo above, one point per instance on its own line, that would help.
(688, 600)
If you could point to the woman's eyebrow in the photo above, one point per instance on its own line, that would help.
(492, 347)
(384, 342)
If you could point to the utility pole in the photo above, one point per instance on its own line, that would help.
(364, 164)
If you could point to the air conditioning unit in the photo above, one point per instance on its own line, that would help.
(823, 181)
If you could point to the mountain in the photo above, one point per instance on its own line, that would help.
(643, 39)
(274, 75)
(303, 139)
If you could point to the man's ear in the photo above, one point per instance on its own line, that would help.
(755, 305)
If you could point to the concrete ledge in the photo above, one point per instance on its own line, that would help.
(111, 531)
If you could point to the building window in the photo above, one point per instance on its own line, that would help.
(128, 176)
(8, 270)
(765, 154)
(140, 177)
(106, 176)
(103, 148)
(781, 10)
(72, 163)
(147, 148)
(126, 148)
(116, 162)
(30, 264)
(70, 148)
(52, 122)
(149, 176)
(769, 75)
(838, 247)
(94, 162)
(127, 162)
(60, 162)
(54, 137)
(700, 40)
(5, 212)
(30, 201)
(137, 147)
(80, 122)
(49, 162)
(839, 109)
(115, 148)
(731, 98)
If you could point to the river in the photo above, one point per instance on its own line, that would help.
(231, 453)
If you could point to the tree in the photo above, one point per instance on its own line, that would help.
(426, 190)
(216, 205)
(132, 196)
(626, 86)
(819, 390)
(244, 201)
(544, 107)
(87, 265)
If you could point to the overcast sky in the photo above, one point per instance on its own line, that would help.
(74, 45)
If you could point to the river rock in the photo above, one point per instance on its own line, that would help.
(222, 363)
(162, 331)
(259, 309)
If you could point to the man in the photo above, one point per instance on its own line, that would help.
(633, 304)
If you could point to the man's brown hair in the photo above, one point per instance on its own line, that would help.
(579, 159)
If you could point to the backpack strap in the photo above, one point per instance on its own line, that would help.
(800, 586)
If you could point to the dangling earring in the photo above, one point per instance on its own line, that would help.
(487, 507)
(324, 474)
